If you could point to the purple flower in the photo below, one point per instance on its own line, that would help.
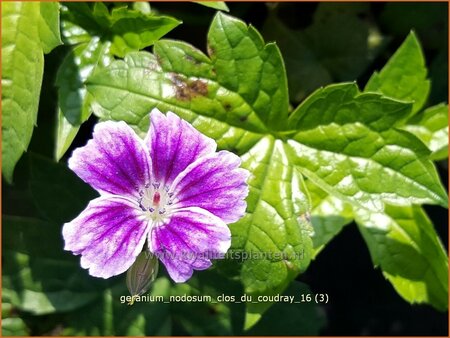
(172, 189)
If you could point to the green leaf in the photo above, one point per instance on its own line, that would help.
(404, 244)
(272, 227)
(284, 319)
(404, 77)
(245, 65)
(65, 134)
(77, 23)
(11, 324)
(328, 216)
(126, 29)
(14, 326)
(49, 26)
(431, 127)
(343, 104)
(74, 70)
(219, 5)
(40, 278)
(73, 101)
(133, 30)
(26, 35)
(346, 144)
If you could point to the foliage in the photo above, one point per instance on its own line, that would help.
(341, 155)
(28, 31)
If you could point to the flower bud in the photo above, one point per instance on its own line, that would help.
(142, 273)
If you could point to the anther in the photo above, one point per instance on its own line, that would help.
(140, 204)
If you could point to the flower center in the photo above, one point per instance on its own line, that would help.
(155, 200)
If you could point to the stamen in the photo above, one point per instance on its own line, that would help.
(155, 200)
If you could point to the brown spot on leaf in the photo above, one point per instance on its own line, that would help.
(186, 90)
(192, 60)
(158, 59)
(211, 51)
(198, 87)
(243, 118)
(227, 106)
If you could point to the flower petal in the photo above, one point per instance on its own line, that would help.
(174, 144)
(109, 234)
(188, 241)
(214, 183)
(115, 161)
